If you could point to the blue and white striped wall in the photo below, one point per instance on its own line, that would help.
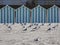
(6, 15)
(23, 15)
(26, 15)
(38, 14)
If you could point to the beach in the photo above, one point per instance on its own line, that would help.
(30, 34)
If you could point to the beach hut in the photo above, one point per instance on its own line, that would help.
(38, 14)
(7, 15)
(53, 16)
(23, 15)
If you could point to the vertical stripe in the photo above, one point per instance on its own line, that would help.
(20, 15)
(53, 14)
(56, 15)
(43, 15)
(40, 14)
(37, 14)
(0, 15)
(17, 15)
(4, 15)
(34, 15)
(7, 13)
(10, 15)
(23, 15)
(50, 16)
(26, 15)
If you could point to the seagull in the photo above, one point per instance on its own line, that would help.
(54, 27)
(36, 24)
(25, 29)
(10, 27)
(42, 24)
(29, 25)
(49, 29)
(49, 24)
(23, 26)
(35, 28)
(36, 39)
(24, 23)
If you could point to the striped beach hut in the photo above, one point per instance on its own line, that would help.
(7, 15)
(53, 16)
(23, 15)
(38, 14)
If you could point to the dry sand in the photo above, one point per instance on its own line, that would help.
(30, 34)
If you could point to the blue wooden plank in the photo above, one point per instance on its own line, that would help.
(32, 16)
(0, 15)
(16, 16)
(6, 17)
(12, 15)
(38, 16)
(22, 14)
(57, 18)
(9, 15)
(41, 15)
(55, 15)
(52, 15)
(49, 15)
(44, 15)
(28, 15)
(59, 14)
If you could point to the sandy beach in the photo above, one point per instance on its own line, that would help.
(30, 34)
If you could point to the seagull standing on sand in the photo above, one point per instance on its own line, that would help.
(9, 27)
(49, 29)
(25, 29)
